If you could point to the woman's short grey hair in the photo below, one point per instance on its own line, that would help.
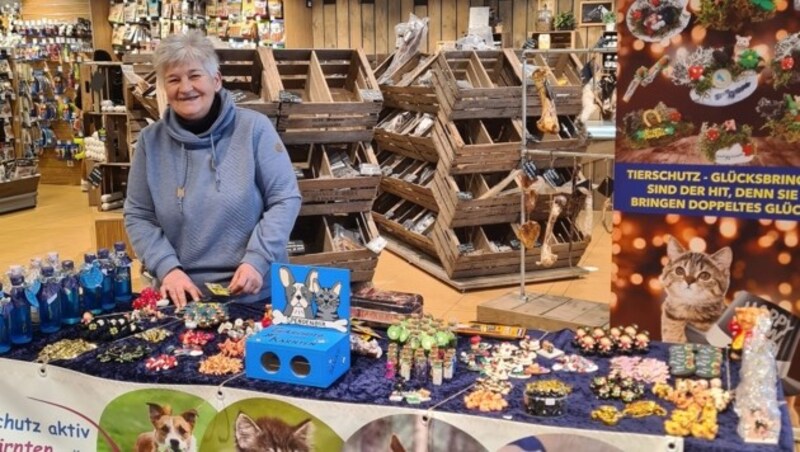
(185, 48)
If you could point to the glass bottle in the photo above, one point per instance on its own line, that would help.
(107, 302)
(20, 325)
(34, 285)
(71, 309)
(53, 260)
(544, 19)
(5, 311)
(123, 292)
(49, 301)
(91, 279)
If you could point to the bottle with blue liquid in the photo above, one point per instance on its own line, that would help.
(20, 325)
(107, 302)
(33, 279)
(5, 314)
(123, 291)
(71, 309)
(49, 301)
(91, 279)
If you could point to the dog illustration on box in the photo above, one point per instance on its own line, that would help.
(308, 303)
(170, 433)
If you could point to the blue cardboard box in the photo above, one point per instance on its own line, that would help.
(309, 341)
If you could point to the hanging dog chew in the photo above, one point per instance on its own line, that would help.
(548, 122)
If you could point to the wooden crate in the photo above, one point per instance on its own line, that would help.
(478, 145)
(456, 212)
(391, 212)
(244, 72)
(324, 190)
(495, 86)
(487, 260)
(323, 249)
(571, 136)
(340, 98)
(408, 178)
(563, 75)
(396, 132)
(410, 88)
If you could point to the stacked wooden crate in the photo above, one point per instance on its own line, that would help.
(477, 135)
(325, 105)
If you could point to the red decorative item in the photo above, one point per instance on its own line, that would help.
(637, 15)
(655, 3)
(787, 63)
(147, 299)
(748, 149)
(195, 338)
(675, 116)
(712, 134)
(161, 362)
(696, 72)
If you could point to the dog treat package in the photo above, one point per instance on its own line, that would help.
(383, 307)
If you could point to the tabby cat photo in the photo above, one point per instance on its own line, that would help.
(695, 285)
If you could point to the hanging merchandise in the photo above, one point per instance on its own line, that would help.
(276, 9)
(276, 34)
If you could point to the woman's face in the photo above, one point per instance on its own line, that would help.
(190, 89)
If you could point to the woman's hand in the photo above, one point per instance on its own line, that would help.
(246, 280)
(176, 285)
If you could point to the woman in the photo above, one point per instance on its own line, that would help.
(212, 196)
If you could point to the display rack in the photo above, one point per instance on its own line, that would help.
(550, 154)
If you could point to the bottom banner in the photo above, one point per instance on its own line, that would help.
(46, 409)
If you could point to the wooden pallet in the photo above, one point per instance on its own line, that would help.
(434, 268)
(543, 312)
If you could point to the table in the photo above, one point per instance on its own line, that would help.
(89, 388)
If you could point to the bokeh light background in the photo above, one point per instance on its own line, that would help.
(766, 254)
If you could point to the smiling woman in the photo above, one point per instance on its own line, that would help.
(206, 167)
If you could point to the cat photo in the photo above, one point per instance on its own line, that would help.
(272, 434)
(327, 300)
(695, 284)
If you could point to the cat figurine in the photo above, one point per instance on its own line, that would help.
(328, 303)
(272, 434)
(742, 44)
(695, 284)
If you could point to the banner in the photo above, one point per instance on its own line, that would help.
(708, 170)
(46, 409)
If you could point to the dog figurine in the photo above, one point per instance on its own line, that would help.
(171, 433)
(299, 296)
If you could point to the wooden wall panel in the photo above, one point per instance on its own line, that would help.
(350, 24)
(298, 22)
(55, 9)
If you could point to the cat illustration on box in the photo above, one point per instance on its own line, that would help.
(272, 434)
(695, 284)
(328, 302)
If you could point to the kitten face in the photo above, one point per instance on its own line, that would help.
(328, 300)
(269, 434)
(696, 277)
(743, 41)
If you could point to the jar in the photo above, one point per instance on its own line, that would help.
(544, 19)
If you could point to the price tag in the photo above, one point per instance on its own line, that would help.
(549, 402)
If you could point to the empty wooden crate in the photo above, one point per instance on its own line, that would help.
(475, 199)
(477, 84)
(243, 73)
(478, 145)
(563, 77)
(335, 178)
(326, 95)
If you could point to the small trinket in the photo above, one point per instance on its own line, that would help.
(220, 364)
(546, 397)
(232, 348)
(436, 372)
(391, 371)
(161, 363)
(64, 349)
(124, 353)
(644, 408)
(485, 400)
(204, 315)
(607, 414)
(448, 366)
(153, 335)
(194, 338)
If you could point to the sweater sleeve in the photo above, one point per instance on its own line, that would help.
(141, 222)
(278, 186)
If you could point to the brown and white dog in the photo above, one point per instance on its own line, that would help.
(171, 434)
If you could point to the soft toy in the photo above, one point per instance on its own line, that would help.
(741, 326)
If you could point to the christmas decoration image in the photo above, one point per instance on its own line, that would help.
(726, 143)
(782, 117)
(786, 64)
(719, 77)
(734, 14)
(656, 126)
(657, 20)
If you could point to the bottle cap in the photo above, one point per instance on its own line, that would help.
(47, 271)
(68, 265)
(89, 258)
(102, 253)
(119, 246)
(17, 280)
